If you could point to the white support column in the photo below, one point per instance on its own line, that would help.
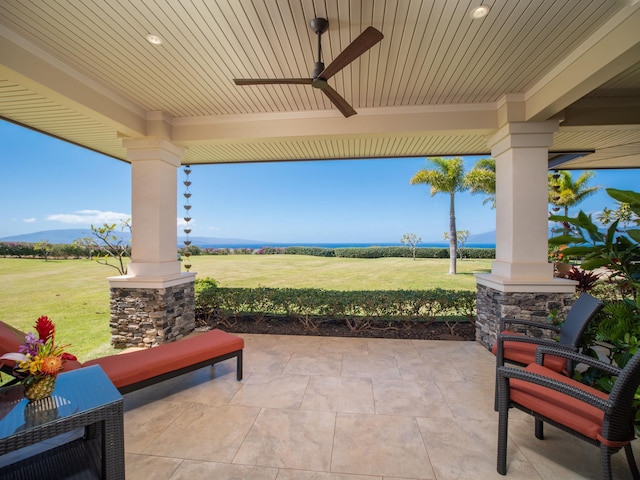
(521, 265)
(154, 240)
(154, 302)
(521, 283)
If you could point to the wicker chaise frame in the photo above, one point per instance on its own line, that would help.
(617, 426)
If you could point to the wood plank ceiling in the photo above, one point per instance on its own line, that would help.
(433, 56)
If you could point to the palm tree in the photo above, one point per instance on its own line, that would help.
(565, 193)
(482, 179)
(447, 176)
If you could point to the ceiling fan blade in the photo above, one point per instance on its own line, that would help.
(340, 103)
(272, 81)
(361, 44)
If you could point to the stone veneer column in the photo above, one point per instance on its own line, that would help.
(521, 283)
(154, 302)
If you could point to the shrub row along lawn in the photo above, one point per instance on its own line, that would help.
(358, 309)
(75, 293)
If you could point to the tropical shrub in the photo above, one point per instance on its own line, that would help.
(311, 306)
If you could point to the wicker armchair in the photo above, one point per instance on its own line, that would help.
(591, 415)
(519, 349)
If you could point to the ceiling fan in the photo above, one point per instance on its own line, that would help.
(320, 74)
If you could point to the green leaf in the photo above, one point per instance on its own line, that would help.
(611, 232)
(625, 196)
(593, 263)
(580, 250)
(565, 240)
(634, 235)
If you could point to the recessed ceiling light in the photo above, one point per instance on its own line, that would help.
(479, 12)
(153, 39)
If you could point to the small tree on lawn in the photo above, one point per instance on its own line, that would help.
(44, 247)
(411, 240)
(463, 236)
(108, 246)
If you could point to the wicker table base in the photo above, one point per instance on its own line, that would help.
(83, 399)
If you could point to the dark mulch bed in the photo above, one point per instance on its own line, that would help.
(463, 331)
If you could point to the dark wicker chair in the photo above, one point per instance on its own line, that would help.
(519, 349)
(591, 415)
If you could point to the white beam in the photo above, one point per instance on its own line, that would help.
(611, 50)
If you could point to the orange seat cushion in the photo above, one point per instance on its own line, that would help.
(10, 341)
(566, 410)
(130, 368)
(525, 353)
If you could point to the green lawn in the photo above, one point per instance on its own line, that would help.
(75, 293)
(337, 273)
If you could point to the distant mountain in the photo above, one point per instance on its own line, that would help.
(69, 235)
(55, 236)
(486, 237)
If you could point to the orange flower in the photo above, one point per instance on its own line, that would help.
(51, 365)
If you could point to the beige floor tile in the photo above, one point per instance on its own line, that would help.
(145, 421)
(339, 394)
(209, 386)
(461, 448)
(264, 361)
(395, 348)
(286, 474)
(426, 369)
(409, 398)
(205, 432)
(370, 366)
(272, 391)
(298, 343)
(313, 363)
(344, 345)
(380, 445)
(470, 400)
(138, 467)
(289, 439)
(197, 470)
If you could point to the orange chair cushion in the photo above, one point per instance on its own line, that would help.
(566, 410)
(130, 368)
(525, 353)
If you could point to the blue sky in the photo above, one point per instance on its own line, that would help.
(48, 184)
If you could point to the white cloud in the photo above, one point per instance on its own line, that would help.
(181, 222)
(29, 220)
(84, 217)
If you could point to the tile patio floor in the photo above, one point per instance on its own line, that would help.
(320, 408)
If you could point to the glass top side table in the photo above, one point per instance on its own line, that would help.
(83, 398)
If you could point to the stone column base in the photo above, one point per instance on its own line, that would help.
(493, 305)
(145, 314)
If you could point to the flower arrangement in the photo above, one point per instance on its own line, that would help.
(39, 360)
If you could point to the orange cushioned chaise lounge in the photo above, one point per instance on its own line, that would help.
(131, 371)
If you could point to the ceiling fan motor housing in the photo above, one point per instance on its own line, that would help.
(319, 25)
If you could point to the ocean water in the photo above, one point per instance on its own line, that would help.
(338, 245)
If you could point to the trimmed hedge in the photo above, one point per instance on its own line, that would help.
(23, 249)
(53, 250)
(310, 306)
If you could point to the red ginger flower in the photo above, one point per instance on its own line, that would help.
(45, 328)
